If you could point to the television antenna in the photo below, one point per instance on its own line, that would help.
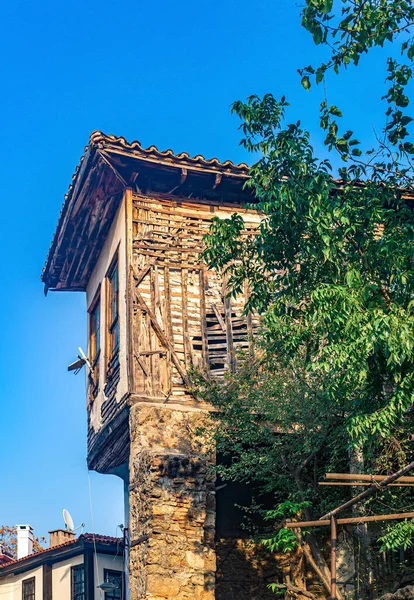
(81, 361)
(67, 517)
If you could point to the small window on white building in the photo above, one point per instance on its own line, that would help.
(78, 583)
(28, 589)
(94, 344)
(114, 577)
(113, 311)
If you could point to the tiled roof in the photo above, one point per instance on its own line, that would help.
(86, 537)
(99, 539)
(97, 139)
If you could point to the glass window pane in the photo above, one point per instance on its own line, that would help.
(97, 322)
(78, 583)
(28, 589)
(114, 577)
(113, 308)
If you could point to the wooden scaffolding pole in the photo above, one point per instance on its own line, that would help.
(333, 522)
(333, 557)
(371, 491)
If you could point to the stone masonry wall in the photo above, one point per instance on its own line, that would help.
(172, 506)
(244, 570)
(174, 553)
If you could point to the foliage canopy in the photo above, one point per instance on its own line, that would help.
(331, 269)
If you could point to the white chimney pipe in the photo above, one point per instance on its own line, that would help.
(24, 540)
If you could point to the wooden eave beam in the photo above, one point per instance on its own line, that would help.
(177, 164)
(94, 220)
(67, 209)
(106, 158)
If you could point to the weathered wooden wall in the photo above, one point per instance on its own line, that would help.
(182, 317)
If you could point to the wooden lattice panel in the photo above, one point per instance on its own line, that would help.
(182, 317)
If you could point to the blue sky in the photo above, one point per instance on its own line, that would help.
(161, 72)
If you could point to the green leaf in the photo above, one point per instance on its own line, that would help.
(334, 110)
(305, 82)
(327, 6)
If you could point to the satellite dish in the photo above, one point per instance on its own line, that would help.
(81, 361)
(68, 520)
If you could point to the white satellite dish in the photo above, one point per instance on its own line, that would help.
(68, 520)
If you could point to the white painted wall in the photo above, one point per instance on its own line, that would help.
(11, 587)
(62, 577)
(105, 561)
(116, 239)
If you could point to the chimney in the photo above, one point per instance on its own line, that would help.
(4, 556)
(24, 540)
(60, 536)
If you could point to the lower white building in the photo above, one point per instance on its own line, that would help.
(89, 567)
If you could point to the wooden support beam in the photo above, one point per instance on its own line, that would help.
(203, 320)
(47, 581)
(105, 157)
(364, 477)
(184, 312)
(361, 484)
(163, 339)
(333, 558)
(350, 521)
(231, 356)
(219, 317)
(371, 491)
(143, 272)
(89, 575)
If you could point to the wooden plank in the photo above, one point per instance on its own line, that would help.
(148, 330)
(231, 357)
(130, 333)
(141, 364)
(184, 306)
(140, 382)
(249, 314)
(144, 271)
(361, 484)
(350, 521)
(219, 318)
(364, 477)
(373, 490)
(154, 358)
(163, 339)
(168, 323)
(204, 341)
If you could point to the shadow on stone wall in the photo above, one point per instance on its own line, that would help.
(244, 570)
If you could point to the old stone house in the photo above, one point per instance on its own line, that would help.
(129, 235)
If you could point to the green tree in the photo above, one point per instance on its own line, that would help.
(331, 268)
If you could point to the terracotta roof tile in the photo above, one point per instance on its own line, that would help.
(87, 537)
(97, 138)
